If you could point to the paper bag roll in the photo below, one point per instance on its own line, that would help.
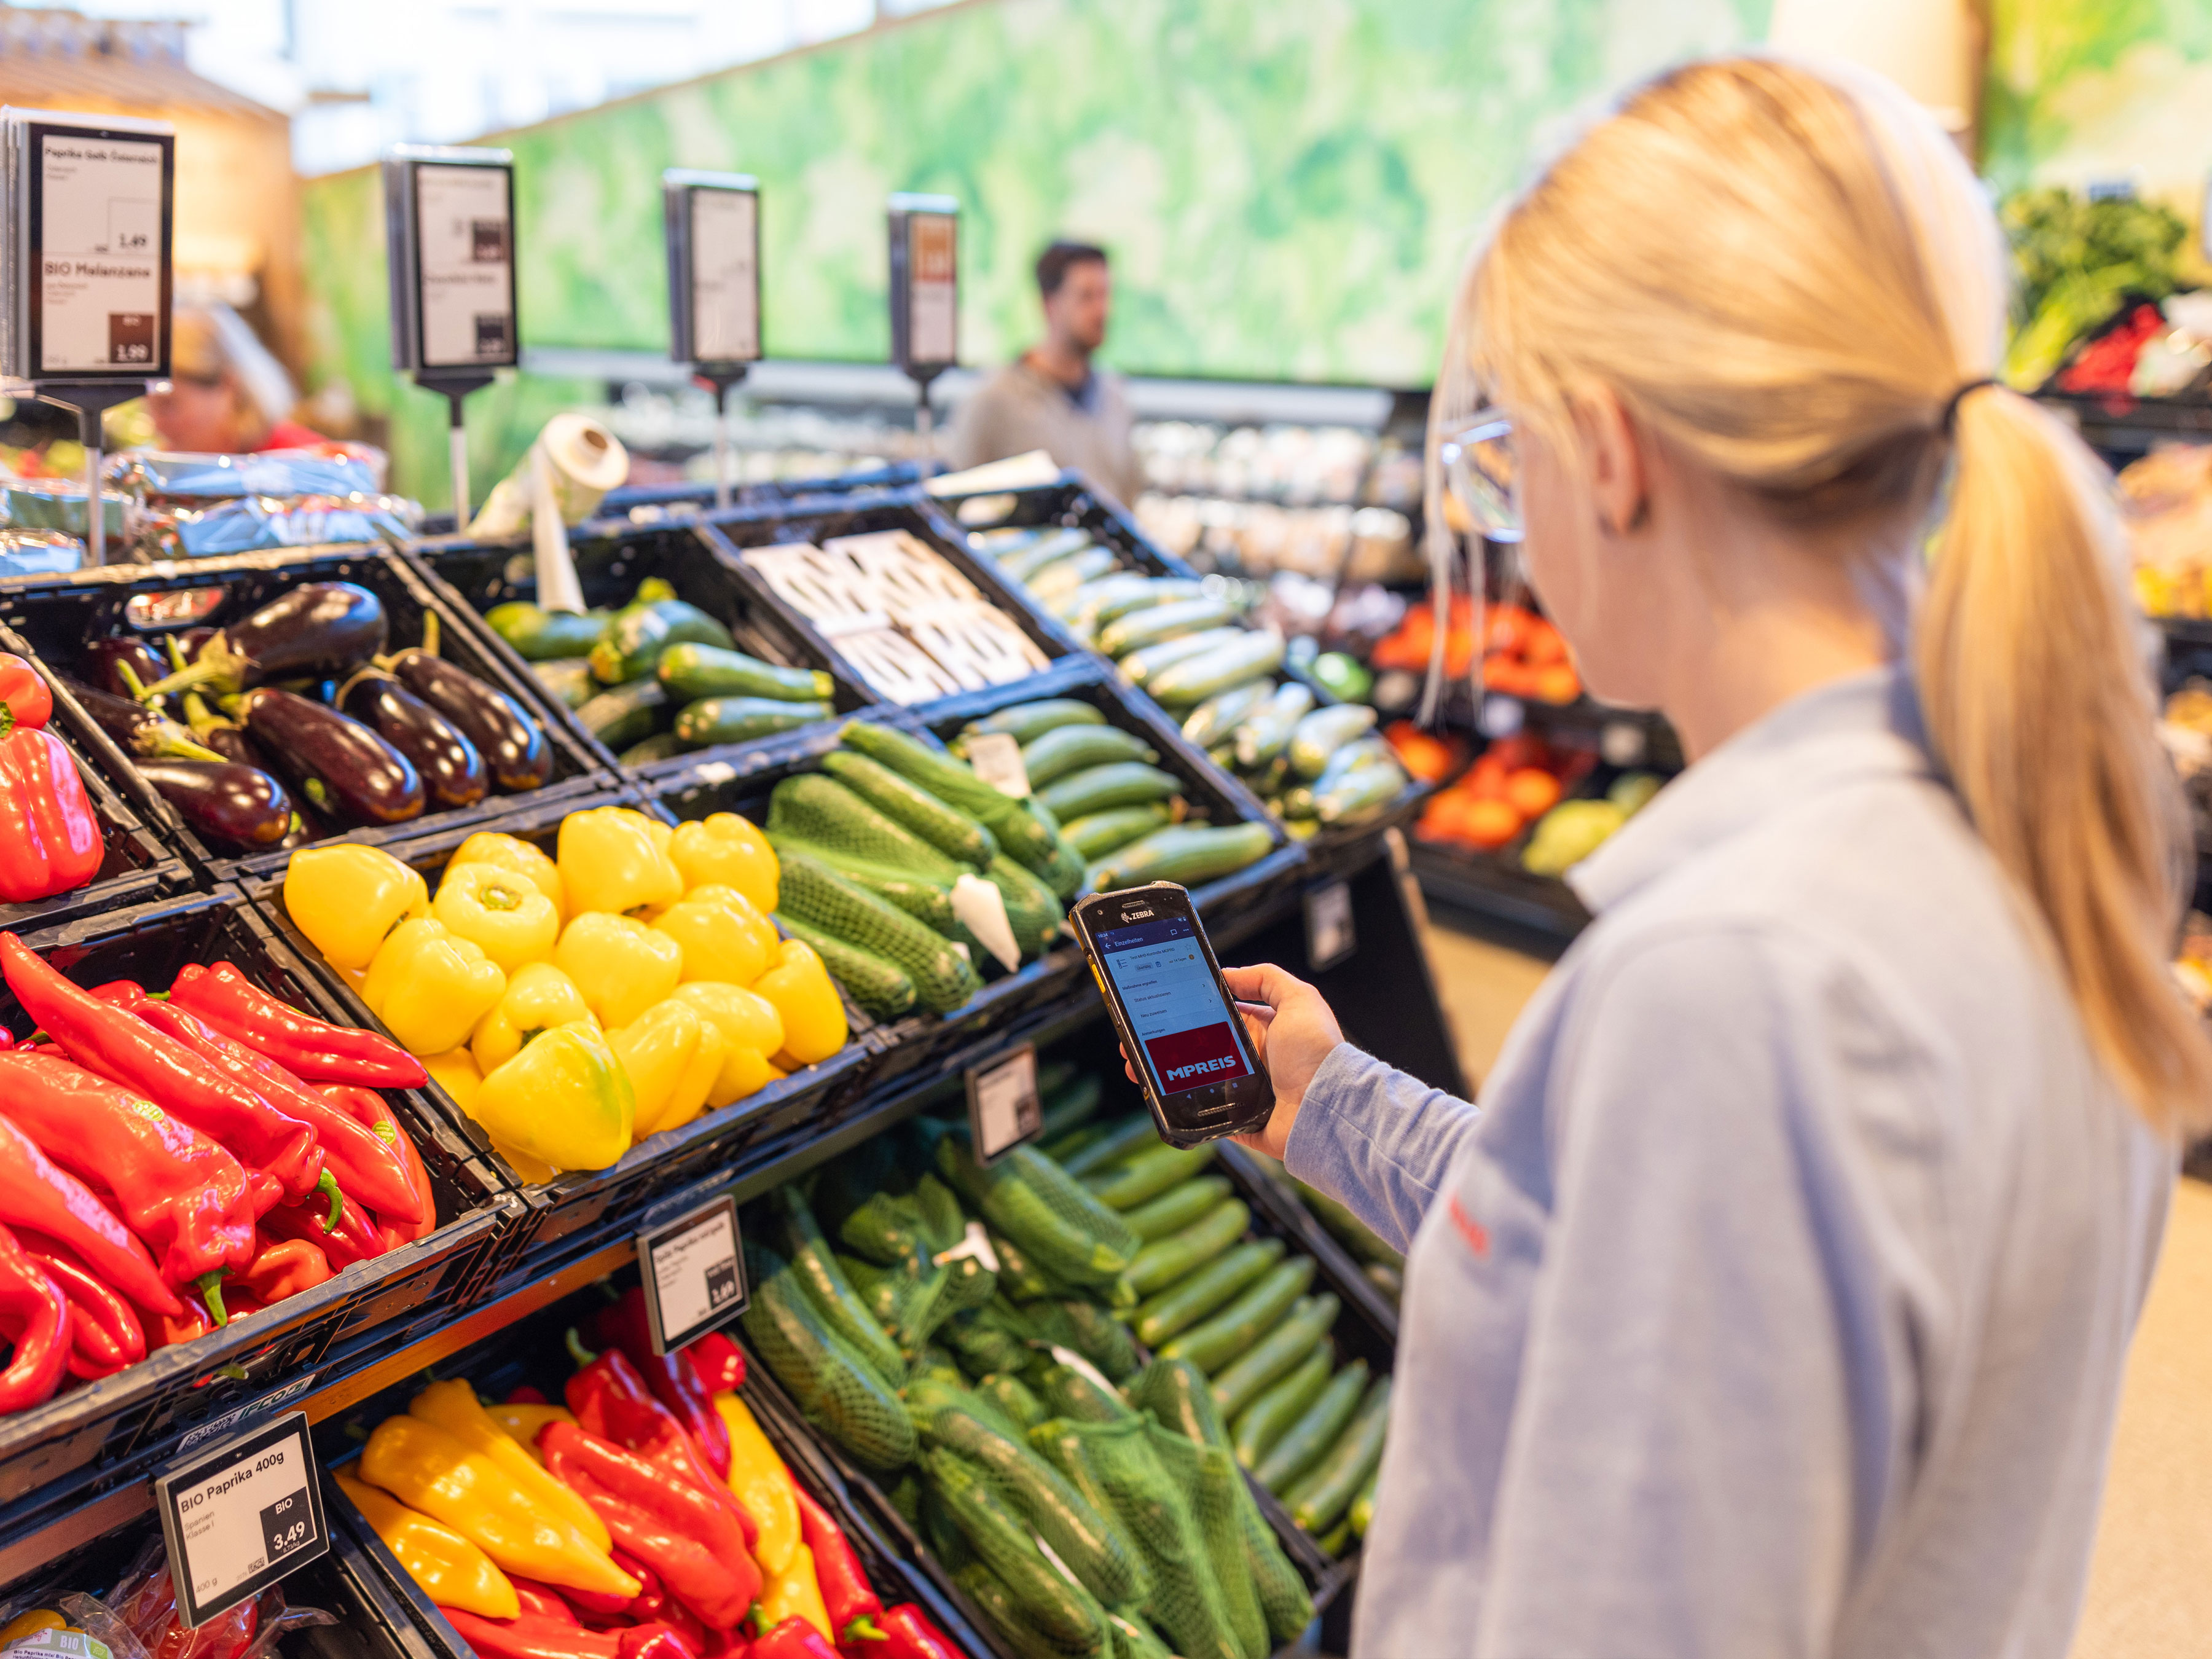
(585, 460)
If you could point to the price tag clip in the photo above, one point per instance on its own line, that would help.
(1003, 1107)
(241, 1517)
(1331, 936)
(693, 1271)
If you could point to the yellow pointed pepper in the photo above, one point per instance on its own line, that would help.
(524, 1422)
(806, 996)
(724, 849)
(347, 899)
(722, 936)
(453, 1407)
(752, 1031)
(794, 1593)
(451, 1572)
(563, 1100)
(500, 911)
(610, 861)
(673, 1056)
(621, 965)
(456, 1072)
(430, 988)
(522, 857)
(428, 1469)
(536, 999)
(760, 1485)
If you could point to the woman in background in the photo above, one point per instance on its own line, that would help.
(226, 395)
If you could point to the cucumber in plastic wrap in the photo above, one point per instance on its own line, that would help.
(951, 832)
(812, 892)
(1032, 1199)
(832, 1384)
(815, 807)
(881, 988)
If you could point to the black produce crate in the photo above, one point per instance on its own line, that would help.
(138, 867)
(57, 617)
(97, 1436)
(650, 503)
(563, 1215)
(611, 559)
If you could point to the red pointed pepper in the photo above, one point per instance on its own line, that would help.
(352, 1240)
(303, 1045)
(794, 1638)
(852, 1602)
(717, 1363)
(529, 1638)
(121, 1045)
(373, 1112)
(907, 1634)
(285, 1267)
(34, 1317)
(625, 1326)
(655, 1641)
(610, 1399)
(696, 1510)
(49, 840)
(37, 1194)
(104, 1332)
(182, 1195)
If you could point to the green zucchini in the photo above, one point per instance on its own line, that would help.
(1148, 1173)
(1118, 783)
(1026, 722)
(1138, 668)
(1267, 1361)
(815, 893)
(540, 636)
(1314, 1431)
(1251, 656)
(1095, 835)
(882, 987)
(1325, 731)
(1157, 623)
(1190, 854)
(1168, 1261)
(951, 832)
(568, 678)
(1328, 1488)
(1211, 1346)
(714, 720)
(1069, 1105)
(1157, 590)
(824, 1281)
(1076, 748)
(1023, 836)
(1131, 1134)
(1358, 795)
(1064, 576)
(660, 746)
(926, 900)
(1336, 1540)
(1062, 1610)
(1047, 550)
(1217, 719)
(1361, 753)
(1083, 606)
(814, 807)
(691, 670)
(1363, 1507)
(1055, 1512)
(1172, 1211)
(1261, 1425)
(618, 718)
(1212, 1286)
(1266, 732)
(638, 634)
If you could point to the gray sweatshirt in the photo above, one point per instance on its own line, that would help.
(1774, 1301)
(1020, 409)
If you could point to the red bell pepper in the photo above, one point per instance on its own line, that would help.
(282, 1267)
(303, 1045)
(529, 1638)
(794, 1638)
(352, 1240)
(626, 1326)
(182, 1195)
(373, 1112)
(610, 1399)
(637, 1479)
(50, 840)
(105, 1332)
(363, 1166)
(526, 1395)
(34, 1317)
(35, 1194)
(717, 1363)
(851, 1599)
(908, 1634)
(122, 1046)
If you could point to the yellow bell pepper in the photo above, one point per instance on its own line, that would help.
(456, 1072)
(562, 1100)
(500, 911)
(450, 1570)
(621, 965)
(610, 861)
(538, 998)
(662, 832)
(673, 1056)
(522, 858)
(722, 936)
(430, 988)
(524, 1422)
(726, 850)
(348, 899)
(428, 1469)
(761, 1484)
(453, 1407)
(30, 1623)
(534, 1171)
(806, 996)
(794, 1593)
(752, 1031)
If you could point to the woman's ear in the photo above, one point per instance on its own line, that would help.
(1619, 470)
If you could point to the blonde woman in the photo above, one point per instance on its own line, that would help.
(1774, 1301)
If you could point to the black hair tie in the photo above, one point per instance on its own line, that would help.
(1950, 416)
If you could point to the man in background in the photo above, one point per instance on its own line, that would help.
(1051, 398)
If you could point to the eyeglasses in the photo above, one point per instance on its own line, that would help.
(1482, 494)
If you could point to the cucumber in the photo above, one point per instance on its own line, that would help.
(1068, 1392)
(1359, 795)
(1262, 1424)
(1213, 1345)
(1068, 1104)
(1023, 836)
(839, 1307)
(826, 1378)
(952, 833)
(1032, 910)
(815, 893)
(1172, 1211)
(1272, 1358)
(1325, 731)
(1138, 668)
(1148, 1173)
(1266, 732)
(620, 717)
(813, 806)
(714, 720)
(568, 678)
(1212, 1286)
(1118, 783)
(1215, 719)
(1358, 755)
(1188, 854)
(1129, 1135)
(1157, 590)
(638, 634)
(1069, 1235)
(1363, 1507)
(1076, 748)
(1170, 1260)
(881, 988)
(1045, 551)
(539, 635)
(1309, 1436)
(691, 670)
(1252, 656)
(1059, 1609)
(1021, 1279)
(1064, 576)
(926, 899)
(1097, 834)
(1157, 623)
(1328, 1490)
(1026, 722)
(660, 746)
(1083, 606)
(1086, 1540)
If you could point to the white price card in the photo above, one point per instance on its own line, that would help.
(465, 260)
(725, 276)
(933, 288)
(238, 1518)
(997, 759)
(694, 1270)
(1003, 1107)
(1330, 937)
(100, 217)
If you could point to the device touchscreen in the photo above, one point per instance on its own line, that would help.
(1173, 1004)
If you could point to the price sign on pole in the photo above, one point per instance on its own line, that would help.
(1003, 1107)
(694, 1270)
(925, 290)
(713, 223)
(238, 1518)
(1330, 935)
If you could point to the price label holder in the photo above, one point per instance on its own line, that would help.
(924, 247)
(1330, 935)
(1003, 1107)
(713, 226)
(997, 759)
(694, 1269)
(89, 202)
(238, 1518)
(449, 241)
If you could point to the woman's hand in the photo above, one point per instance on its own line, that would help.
(1293, 1030)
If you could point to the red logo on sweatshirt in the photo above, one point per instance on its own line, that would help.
(1189, 1059)
(1478, 1238)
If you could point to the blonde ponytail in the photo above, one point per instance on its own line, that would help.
(1788, 273)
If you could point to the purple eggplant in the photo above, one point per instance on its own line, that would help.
(143, 732)
(309, 632)
(105, 661)
(513, 744)
(452, 771)
(342, 768)
(240, 806)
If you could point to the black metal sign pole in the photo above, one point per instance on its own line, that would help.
(719, 381)
(88, 402)
(454, 388)
(711, 222)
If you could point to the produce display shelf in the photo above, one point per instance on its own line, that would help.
(1492, 884)
(55, 617)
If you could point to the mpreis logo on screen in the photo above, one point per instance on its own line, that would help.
(1172, 1000)
(1184, 1059)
